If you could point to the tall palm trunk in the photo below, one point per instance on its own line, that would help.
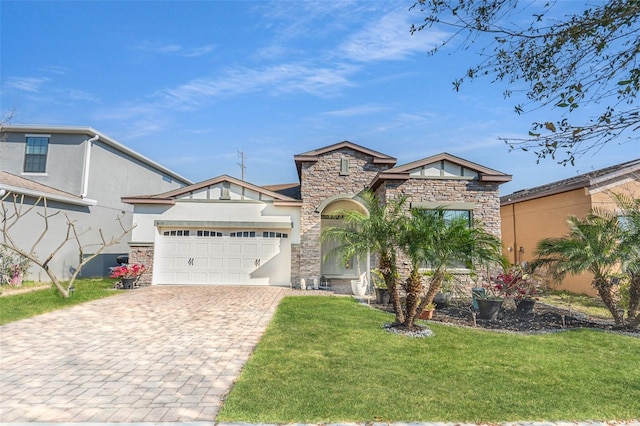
(436, 284)
(605, 291)
(388, 271)
(634, 299)
(414, 287)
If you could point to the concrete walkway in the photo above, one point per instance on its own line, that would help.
(155, 354)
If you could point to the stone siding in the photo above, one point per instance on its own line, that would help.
(321, 180)
(143, 254)
(485, 197)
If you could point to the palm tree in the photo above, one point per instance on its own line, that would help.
(375, 232)
(430, 239)
(592, 244)
(630, 247)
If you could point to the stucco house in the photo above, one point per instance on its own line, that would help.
(227, 231)
(82, 173)
(532, 214)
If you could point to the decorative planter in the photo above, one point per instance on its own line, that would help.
(477, 293)
(426, 315)
(382, 296)
(488, 308)
(442, 300)
(127, 283)
(358, 287)
(525, 307)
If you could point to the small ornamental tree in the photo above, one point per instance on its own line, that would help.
(14, 209)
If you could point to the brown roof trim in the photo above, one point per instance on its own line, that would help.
(313, 155)
(385, 176)
(170, 196)
(586, 180)
(482, 170)
(485, 174)
(147, 200)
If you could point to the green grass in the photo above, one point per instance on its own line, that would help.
(25, 305)
(578, 302)
(326, 359)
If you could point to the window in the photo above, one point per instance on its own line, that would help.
(448, 216)
(35, 159)
(243, 234)
(177, 233)
(271, 234)
(205, 233)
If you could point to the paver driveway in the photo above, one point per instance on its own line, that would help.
(156, 354)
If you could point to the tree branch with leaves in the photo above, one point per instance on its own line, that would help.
(569, 62)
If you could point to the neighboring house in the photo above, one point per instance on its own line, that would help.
(530, 215)
(81, 173)
(227, 231)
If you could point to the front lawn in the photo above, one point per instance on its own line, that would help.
(25, 305)
(327, 359)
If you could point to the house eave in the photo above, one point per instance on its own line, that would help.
(84, 202)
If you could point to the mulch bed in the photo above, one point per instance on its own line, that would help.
(544, 319)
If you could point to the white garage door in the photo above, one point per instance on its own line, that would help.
(222, 259)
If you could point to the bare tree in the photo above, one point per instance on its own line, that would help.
(14, 210)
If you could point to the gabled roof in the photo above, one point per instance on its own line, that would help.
(596, 178)
(288, 189)
(19, 185)
(313, 155)
(169, 197)
(89, 131)
(402, 172)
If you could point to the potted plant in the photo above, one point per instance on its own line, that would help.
(522, 286)
(427, 312)
(490, 300)
(382, 293)
(13, 268)
(128, 274)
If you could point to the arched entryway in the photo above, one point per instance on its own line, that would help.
(333, 266)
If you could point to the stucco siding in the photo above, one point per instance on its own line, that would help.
(64, 159)
(525, 223)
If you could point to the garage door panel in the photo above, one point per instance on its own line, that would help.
(216, 262)
(217, 248)
(201, 248)
(234, 248)
(234, 262)
(221, 260)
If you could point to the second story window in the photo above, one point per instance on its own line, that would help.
(35, 159)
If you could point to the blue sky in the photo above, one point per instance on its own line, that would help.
(189, 84)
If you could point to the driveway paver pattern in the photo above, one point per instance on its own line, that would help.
(155, 354)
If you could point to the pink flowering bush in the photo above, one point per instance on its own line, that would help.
(128, 271)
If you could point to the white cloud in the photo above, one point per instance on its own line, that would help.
(172, 48)
(284, 78)
(388, 38)
(27, 84)
(356, 111)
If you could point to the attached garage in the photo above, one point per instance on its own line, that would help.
(219, 232)
(221, 256)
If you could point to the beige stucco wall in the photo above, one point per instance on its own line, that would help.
(525, 223)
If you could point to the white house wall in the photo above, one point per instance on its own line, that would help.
(145, 216)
